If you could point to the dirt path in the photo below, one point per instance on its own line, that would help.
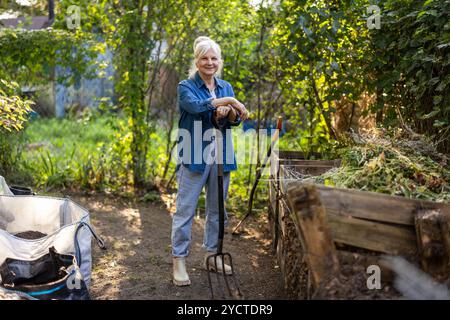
(137, 264)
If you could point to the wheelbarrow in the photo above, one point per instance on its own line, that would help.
(231, 284)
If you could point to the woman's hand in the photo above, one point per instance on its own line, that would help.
(240, 108)
(232, 115)
(237, 105)
(222, 112)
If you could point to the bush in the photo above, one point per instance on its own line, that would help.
(13, 115)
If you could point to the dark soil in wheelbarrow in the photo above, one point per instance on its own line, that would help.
(30, 235)
(138, 262)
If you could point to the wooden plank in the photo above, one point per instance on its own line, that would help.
(445, 232)
(370, 205)
(375, 206)
(311, 222)
(284, 154)
(314, 163)
(391, 239)
(396, 240)
(432, 229)
(312, 170)
(273, 214)
(281, 258)
(293, 157)
(283, 210)
(353, 213)
(272, 194)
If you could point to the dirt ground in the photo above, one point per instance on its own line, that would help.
(138, 262)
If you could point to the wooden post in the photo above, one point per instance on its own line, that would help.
(433, 239)
(311, 222)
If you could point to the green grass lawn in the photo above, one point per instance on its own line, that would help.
(61, 153)
(64, 136)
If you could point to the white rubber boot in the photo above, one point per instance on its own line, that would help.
(219, 264)
(180, 276)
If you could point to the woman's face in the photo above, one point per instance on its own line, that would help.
(208, 64)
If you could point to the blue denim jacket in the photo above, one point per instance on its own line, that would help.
(194, 103)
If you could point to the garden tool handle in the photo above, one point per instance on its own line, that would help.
(221, 208)
(277, 132)
(221, 203)
(259, 172)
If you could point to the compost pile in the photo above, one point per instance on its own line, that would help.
(398, 164)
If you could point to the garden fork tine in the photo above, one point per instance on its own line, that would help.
(208, 269)
(232, 290)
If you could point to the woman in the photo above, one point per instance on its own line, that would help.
(203, 99)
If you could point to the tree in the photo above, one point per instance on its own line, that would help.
(145, 37)
(410, 67)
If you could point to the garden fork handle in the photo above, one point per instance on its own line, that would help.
(221, 203)
(221, 208)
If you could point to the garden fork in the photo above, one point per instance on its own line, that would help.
(221, 257)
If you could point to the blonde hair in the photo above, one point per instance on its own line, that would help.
(201, 46)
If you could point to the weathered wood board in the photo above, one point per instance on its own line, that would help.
(371, 220)
(314, 232)
(368, 220)
(377, 222)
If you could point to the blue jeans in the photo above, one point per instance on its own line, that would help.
(190, 185)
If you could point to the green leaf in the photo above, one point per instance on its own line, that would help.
(431, 114)
(433, 81)
(443, 46)
(437, 100)
(439, 123)
(441, 86)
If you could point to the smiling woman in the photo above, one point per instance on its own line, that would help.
(203, 100)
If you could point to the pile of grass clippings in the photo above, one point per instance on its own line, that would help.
(396, 164)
